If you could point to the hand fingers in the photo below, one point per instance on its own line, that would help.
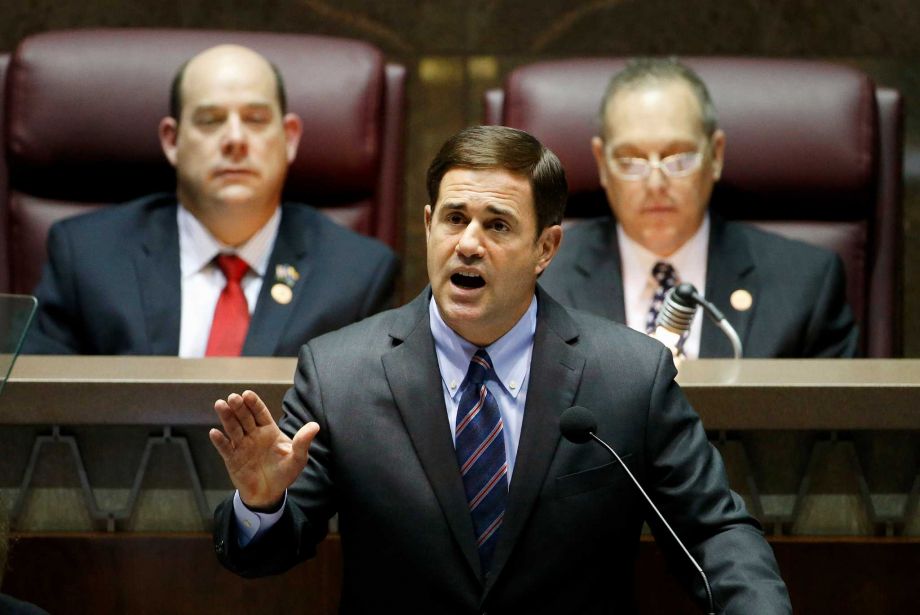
(258, 409)
(300, 446)
(242, 412)
(231, 425)
(221, 443)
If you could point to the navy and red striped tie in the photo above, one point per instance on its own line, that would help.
(480, 445)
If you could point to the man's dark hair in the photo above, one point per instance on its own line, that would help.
(175, 90)
(642, 72)
(494, 147)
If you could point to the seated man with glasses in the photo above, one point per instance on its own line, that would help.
(659, 155)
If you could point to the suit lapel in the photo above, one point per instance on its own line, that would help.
(413, 375)
(730, 267)
(270, 317)
(555, 372)
(159, 280)
(598, 262)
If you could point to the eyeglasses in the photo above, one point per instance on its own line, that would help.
(676, 165)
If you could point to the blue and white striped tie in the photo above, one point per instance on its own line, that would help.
(480, 445)
(666, 277)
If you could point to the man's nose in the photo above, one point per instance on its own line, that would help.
(656, 179)
(470, 242)
(234, 139)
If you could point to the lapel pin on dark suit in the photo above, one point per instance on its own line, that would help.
(741, 300)
(285, 278)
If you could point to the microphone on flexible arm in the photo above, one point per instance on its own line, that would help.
(676, 316)
(578, 426)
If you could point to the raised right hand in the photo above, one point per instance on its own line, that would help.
(261, 460)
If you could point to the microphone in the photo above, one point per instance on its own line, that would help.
(578, 426)
(676, 315)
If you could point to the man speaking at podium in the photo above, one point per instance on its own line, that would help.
(433, 431)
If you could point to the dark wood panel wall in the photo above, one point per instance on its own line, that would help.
(157, 574)
(110, 498)
(455, 49)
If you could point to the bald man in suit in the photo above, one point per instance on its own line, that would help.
(149, 277)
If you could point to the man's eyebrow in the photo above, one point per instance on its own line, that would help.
(453, 205)
(207, 107)
(665, 146)
(492, 209)
(501, 211)
(219, 107)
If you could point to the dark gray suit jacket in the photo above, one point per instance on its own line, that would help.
(384, 460)
(799, 290)
(12, 606)
(112, 283)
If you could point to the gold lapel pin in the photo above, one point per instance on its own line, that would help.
(286, 274)
(741, 300)
(282, 293)
(286, 277)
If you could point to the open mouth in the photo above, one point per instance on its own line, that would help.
(467, 280)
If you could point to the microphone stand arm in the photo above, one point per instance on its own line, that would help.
(719, 319)
(661, 518)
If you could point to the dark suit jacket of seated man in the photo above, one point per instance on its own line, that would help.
(659, 154)
(144, 278)
(367, 432)
(798, 305)
(112, 283)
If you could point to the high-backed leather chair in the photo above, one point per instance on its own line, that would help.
(83, 108)
(814, 151)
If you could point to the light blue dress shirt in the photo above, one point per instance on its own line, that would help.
(510, 356)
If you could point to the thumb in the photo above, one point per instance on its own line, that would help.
(302, 440)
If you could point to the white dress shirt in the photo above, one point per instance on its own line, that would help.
(510, 356)
(202, 280)
(639, 285)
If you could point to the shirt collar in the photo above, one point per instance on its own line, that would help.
(510, 354)
(689, 260)
(198, 247)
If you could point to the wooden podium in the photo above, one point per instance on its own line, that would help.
(109, 481)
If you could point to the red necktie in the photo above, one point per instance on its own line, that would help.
(231, 316)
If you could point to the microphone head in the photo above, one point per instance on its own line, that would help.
(685, 294)
(677, 310)
(577, 424)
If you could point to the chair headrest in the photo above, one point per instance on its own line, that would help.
(801, 136)
(84, 107)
